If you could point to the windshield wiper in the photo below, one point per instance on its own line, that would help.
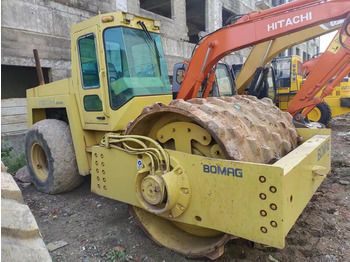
(151, 42)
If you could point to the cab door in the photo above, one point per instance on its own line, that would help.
(92, 87)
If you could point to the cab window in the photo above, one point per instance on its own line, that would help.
(92, 103)
(88, 61)
(299, 68)
(179, 75)
(224, 80)
(136, 65)
(283, 72)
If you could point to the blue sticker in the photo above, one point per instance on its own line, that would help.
(139, 163)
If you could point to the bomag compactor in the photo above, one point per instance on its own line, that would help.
(195, 172)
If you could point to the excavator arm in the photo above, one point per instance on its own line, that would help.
(309, 65)
(263, 53)
(334, 61)
(262, 26)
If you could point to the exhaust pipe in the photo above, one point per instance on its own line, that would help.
(38, 67)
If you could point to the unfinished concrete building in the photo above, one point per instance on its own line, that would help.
(45, 25)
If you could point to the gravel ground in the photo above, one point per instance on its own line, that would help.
(93, 225)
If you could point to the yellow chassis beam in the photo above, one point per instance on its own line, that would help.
(257, 202)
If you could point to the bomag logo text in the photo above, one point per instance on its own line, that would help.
(227, 171)
(323, 150)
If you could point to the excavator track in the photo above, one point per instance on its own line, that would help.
(240, 128)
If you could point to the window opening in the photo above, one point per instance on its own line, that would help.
(224, 80)
(15, 80)
(226, 15)
(304, 56)
(195, 19)
(88, 61)
(283, 71)
(92, 103)
(160, 7)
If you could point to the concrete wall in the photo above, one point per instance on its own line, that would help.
(44, 25)
(13, 115)
(173, 31)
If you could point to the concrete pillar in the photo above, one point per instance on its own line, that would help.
(179, 11)
(179, 17)
(213, 10)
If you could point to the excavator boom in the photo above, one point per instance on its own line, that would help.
(263, 53)
(263, 26)
(334, 61)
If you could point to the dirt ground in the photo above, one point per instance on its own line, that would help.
(93, 225)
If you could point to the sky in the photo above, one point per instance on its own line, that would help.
(325, 40)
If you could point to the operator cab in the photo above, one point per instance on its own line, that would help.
(282, 66)
(122, 68)
(135, 64)
(288, 72)
(222, 86)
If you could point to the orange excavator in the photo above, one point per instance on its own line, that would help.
(268, 25)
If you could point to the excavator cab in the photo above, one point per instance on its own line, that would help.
(288, 72)
(263, 84)
(222, 86)
(288, 78)
(283, 66)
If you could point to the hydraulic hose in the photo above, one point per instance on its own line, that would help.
(344, 28)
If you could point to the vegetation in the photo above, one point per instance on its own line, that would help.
(5, 149)
(12, 160)
(117, 255)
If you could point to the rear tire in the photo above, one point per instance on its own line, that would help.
(51, 158)
(322, 113)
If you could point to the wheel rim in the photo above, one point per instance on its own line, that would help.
(209, 242)
(39, 162)
(315, 114)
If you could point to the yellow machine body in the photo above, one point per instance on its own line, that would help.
(88, 127)
(258, 202)
(340, 93)
(285, 94)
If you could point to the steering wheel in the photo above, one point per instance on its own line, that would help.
(133, 67)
